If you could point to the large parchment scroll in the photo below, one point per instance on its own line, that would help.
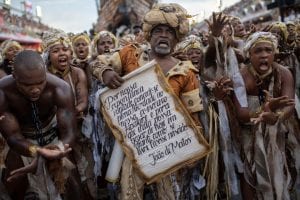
(154, 129)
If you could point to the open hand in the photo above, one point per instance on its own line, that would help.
(266, 117)
(31, 168)
(273, 104)
(219, 20)
(53, 152)
(221, 88)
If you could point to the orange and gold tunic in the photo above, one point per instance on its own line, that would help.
(181, 77)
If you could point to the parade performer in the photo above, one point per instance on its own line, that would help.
(269, 131)
(164, 26)
(57, 50)
(39, 126)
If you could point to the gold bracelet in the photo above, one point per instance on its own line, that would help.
(32, 150)
(255, 114)
(279, 115)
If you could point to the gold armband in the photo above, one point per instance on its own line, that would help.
(33, 150)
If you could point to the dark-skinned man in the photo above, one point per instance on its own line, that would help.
(39, 126)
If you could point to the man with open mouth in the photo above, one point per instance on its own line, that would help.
(163, 27)
(268, 123)
(39, 128)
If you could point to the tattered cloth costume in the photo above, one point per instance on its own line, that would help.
(99, 132)
(184, 84)
(270, 151)
(50, 178)
(221, 167)
(285, 56)
(82, 151)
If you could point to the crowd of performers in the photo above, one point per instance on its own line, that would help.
(240, 86)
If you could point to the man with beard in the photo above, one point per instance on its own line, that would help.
(39, 128)
(163, 33)
(268, 129)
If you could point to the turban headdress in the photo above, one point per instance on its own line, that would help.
(171, 14)
(258, 37)
(191, 42)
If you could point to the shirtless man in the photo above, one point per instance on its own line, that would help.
(39, 122)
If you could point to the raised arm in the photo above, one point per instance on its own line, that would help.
(216, 44)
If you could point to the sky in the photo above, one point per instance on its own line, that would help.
(79, 15)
